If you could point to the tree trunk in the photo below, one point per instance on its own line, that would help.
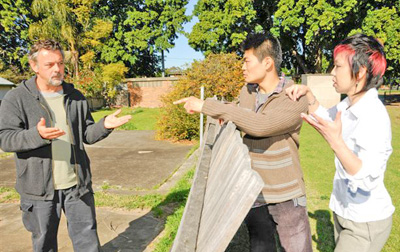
(76, 63)
(318, 61)
(300, 62)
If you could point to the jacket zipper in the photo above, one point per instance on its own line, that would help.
(51, 144)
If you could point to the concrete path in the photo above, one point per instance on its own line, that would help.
(126, 161)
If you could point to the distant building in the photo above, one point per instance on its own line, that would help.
(5, 86)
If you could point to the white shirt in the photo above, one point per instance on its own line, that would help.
(366, 130)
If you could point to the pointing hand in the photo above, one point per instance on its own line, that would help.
(192, 104)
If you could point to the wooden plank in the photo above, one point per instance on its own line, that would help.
(186, 237)
(231, 190)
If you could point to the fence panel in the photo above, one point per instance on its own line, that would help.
(223, 191)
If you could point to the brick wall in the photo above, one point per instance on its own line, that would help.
(146, 92)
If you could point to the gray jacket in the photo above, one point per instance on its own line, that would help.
(20, 111)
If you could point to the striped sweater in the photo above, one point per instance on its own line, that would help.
(272, 136)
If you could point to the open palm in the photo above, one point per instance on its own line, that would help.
(112, 121)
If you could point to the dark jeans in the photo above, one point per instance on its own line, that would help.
(42, 219)
(288, 221)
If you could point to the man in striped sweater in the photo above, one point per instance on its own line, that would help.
(271, 123)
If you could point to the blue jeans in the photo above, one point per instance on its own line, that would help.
(42, 219)
(286, 220)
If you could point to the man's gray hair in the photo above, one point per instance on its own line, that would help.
(48, 44)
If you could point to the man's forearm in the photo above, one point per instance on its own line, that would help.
(271, 122)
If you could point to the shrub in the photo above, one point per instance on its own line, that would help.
(100, 82)
(220, 74)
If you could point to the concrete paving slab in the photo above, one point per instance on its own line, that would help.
(119, 230)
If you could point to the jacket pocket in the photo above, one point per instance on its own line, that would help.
(29, 218)
(30, 176)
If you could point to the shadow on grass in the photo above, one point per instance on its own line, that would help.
(142, 231)
(325, 232)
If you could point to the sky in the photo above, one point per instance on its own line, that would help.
(182, 53)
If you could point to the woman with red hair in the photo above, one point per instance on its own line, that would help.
(359, 132)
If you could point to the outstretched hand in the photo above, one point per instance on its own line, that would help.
(331, 131)
(112, 121)
(48, 133)
(192, 104)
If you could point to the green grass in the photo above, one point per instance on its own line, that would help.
(317, 163)
(142, 118)
(178, 195)
(8, 195)
(388, 91)
(193, 149)
(5, 154)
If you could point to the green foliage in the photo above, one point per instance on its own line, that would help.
(112, 75)
(15, 19)
(88, 82)
(95, 34)
(141, 30)
(220, 74)
(384, 24)
(308, 30)
(222, 25)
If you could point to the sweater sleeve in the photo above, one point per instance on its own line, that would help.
(280, 116)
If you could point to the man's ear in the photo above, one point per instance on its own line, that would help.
(34, 66)
(268, 62)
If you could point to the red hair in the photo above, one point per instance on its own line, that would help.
(378, 63)
(345, 48)
(376, 60)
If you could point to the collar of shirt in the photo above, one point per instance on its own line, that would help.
(277, 90)
(359, 108)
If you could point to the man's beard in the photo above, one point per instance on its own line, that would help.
(55, 82)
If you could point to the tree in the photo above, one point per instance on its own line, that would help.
(142, 30)
(222, 26)
(220, 74)
(112, 75)
(384, 24)
(308, 29)
(66, 21)
(15, 18)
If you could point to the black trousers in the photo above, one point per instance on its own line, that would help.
(286, 220)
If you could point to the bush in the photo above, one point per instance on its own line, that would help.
(220, 74)
(100, 82)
